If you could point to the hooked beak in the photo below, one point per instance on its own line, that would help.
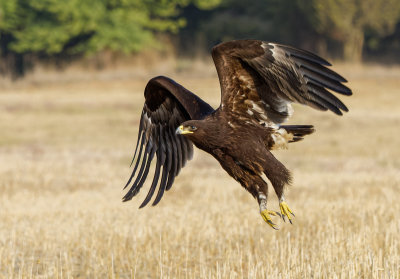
(182, 131)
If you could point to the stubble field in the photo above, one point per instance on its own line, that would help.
(65, 150)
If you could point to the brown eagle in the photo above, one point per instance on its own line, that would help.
(259, 81)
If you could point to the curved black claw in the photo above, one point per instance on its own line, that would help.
(286, 211)
(266, 216)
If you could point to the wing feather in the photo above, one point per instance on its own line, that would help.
(163, 183)
(324, 103)
(154, 183)
(144, 170)
(332, 99)
(138, 160)
(137, 141)
(167, 104)
(260, 80)
(179, 157)
(317, 68)
(320, 80)
(304, 54)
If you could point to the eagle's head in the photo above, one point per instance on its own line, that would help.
(195, 130)
(205, 134)
(188, 127)
(185, 130)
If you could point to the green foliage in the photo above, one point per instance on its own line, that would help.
(76, 26)
(348, 20)
(61, 28)
(342, 15)
(317, 25)
(271, 20)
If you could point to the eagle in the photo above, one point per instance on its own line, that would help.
(259, 81)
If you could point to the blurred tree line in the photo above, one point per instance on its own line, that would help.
(344, 29)
(52, 30)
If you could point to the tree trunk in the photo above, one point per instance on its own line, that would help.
(353, 46)
(11, 63)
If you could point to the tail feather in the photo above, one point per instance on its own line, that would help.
(298, 131)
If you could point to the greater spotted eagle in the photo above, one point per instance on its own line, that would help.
(259, 81)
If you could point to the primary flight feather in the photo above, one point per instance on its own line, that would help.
(259, 81)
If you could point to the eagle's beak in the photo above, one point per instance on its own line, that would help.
(182, 131)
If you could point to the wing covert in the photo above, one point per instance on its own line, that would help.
(167, 105)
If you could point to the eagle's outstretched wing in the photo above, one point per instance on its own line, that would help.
(259, 80)
(167, 105)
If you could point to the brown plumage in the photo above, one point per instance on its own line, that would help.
(259, 81)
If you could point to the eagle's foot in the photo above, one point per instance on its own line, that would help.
(285, 211)
(266, 216)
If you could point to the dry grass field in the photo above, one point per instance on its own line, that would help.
(65, 150)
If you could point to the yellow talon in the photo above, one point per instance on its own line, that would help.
(285, 211)
(266, 216)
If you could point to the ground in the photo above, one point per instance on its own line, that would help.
(65, 149)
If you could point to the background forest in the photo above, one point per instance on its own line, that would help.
(57, 32)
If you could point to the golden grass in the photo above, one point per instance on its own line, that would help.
(64, 156)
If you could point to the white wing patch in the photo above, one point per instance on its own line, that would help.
(276, 51)
(259, 110)
(281, 139)
(286, 107)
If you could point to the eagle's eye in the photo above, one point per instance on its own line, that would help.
(193, 128)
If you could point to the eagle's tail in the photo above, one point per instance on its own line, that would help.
(298, 131)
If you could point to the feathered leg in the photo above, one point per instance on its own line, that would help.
(250, 181)
(259, 189)
(279, 176)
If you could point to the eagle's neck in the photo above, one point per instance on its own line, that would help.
(213, 133)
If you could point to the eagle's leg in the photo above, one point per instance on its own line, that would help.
(249, 180)
(265, 213)
(259, 189)
(279, 176)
